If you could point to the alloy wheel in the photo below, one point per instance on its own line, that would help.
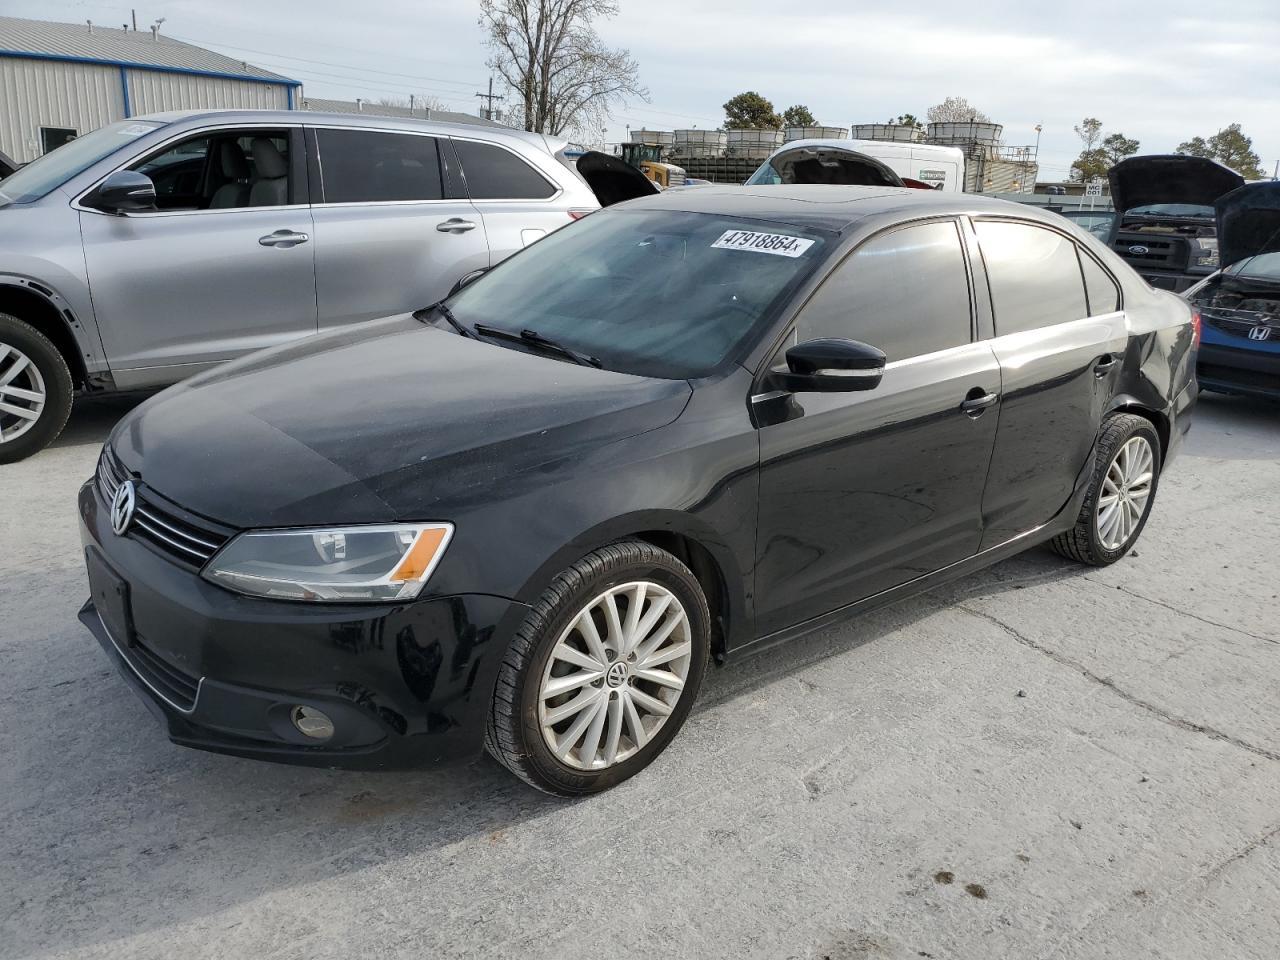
(1126, 492)
(615, 675)
(22, 393)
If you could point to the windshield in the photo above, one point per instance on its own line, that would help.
(58, 166)
(1173, 210)
(652, 292)
(1098, 223)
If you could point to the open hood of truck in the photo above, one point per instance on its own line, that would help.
(1248, 222)
(613, 180)
(1169, 178)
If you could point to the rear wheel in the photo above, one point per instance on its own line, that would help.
(603, 672)
(35, 390)
(1121, 493)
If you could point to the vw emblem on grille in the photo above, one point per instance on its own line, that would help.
(1138, 250)
(122, 506)
(1260, 333)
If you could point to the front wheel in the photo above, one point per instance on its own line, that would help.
(1121, 493)
(35, 390)
(603, 672)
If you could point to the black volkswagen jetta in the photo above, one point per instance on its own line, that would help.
(686, 427)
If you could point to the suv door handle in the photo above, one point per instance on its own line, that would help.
(975, 406)
(455, 225)
(284, 238)
(1104, 365)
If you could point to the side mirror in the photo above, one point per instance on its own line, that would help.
(470, 278)
(124, 191)
(831, 366)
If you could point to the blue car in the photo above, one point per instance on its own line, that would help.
(1240, 304)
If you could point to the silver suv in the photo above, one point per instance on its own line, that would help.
(155, 247)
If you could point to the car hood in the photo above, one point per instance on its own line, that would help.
(613, 180)
(1248, 222)
(390, 420)
(1171, 178)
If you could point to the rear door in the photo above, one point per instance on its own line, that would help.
(393, 232)
(860, 492)
(1061, 346)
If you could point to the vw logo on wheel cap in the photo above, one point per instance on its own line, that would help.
(122, 506)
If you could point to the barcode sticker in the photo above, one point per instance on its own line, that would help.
(778, 244)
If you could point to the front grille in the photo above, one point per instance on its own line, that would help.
(1240, 322)
(1163, 252)
(174, 685)
(161, 525)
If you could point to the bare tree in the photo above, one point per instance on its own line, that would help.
(956, 110)
(562, 75)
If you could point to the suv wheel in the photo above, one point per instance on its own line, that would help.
(35, 390)
(603, 672)
(1121, 493)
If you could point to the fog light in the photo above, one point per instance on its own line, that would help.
(312, 723)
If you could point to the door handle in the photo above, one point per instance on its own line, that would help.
(284, 238)
(976, 406)
(455, 225)
(1104, 365)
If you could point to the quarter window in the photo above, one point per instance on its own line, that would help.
(493, 173)
(1034, 275)
(1104, 294)
(906, 292)
(367, 166)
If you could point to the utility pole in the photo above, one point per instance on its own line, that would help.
(487, 112)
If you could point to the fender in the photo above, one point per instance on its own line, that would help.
(75, 333)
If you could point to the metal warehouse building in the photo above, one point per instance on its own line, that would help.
(59, 80)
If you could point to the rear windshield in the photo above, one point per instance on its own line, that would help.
(829, 166)
(58, 166)
(653, 292)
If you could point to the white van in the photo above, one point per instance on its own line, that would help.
(863, 162)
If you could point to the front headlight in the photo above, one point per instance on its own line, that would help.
(1205, 251)
(388, 562)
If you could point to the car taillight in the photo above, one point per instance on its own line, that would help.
(577, 213)
(1195, 328)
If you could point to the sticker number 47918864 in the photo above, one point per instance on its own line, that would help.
(778, 244)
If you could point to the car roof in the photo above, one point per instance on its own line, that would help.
(483, 131)
(834, 208)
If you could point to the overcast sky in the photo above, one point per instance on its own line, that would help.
(1158, 72)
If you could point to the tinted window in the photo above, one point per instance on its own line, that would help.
(1034, 276)
(1104, 295)
(655, 292)
(496, 174)
(905, 292)
(365, 166)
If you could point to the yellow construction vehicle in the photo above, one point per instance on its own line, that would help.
(647, 158)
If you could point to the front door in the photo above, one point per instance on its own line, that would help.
(860, 492)
(223, 267)
(388, 237)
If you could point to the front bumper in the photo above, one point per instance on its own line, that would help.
(406, 685)
(1251, 371)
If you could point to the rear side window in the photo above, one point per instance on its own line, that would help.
(1034, 275)
(493, 173)
(1104, 294)
(368, 166)
(906, 292)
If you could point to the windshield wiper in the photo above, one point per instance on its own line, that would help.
(534, 338)
(445, 312)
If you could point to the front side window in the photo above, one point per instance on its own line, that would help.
(654, 292)
(1034, 275)
(220, 170)
(905, 292)
(494, 173)
(369, 166)
(56, 167)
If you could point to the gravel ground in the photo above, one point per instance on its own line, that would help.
(1041, 760)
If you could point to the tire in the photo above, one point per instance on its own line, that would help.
(33, 366)
(1092, 540)
(523, 720)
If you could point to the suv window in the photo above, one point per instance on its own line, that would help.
(494, 173)
(1104, 294)
(222, 170)
(906, 292)
(368, 166)
(1034, 275)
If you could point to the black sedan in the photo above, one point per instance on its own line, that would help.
(686, 427)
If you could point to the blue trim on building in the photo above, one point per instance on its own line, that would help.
(129, 65)
(124, 89)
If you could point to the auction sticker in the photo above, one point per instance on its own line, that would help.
(779, 244)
